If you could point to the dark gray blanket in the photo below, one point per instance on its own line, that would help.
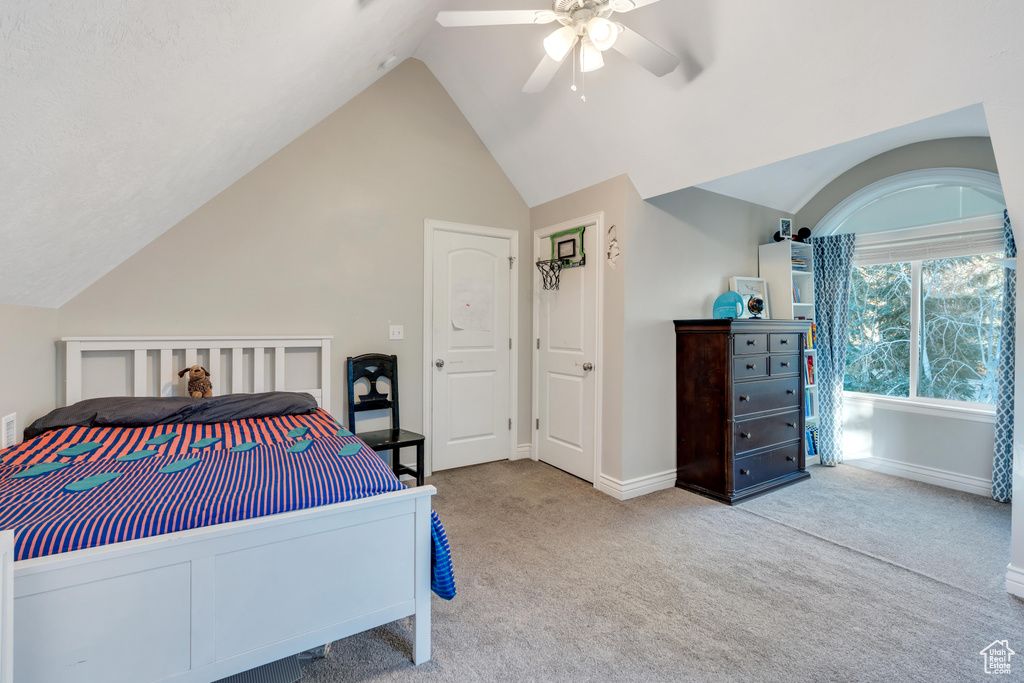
(127, 411)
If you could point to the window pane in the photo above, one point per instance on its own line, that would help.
(878, 349)
(961, 311)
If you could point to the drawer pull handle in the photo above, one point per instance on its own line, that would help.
(746, 435)
(790, 391)
(785, 365)
(783, 341)
(791, 424)
(744, 472)
(750, 366)
(751, 342)
(790, 458)
(744, 398)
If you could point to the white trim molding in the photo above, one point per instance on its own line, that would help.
(634, 488)
(927, 475)
(983, 181)
(1015, 580)
(524, 451)
(946, 409)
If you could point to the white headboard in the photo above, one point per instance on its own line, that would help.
(167, 348)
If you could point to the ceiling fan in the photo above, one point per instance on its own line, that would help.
(585, 23)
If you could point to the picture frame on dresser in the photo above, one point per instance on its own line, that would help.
(749, 288)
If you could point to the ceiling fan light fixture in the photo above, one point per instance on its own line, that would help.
(558, 44)
(602, 33)
(591, 58)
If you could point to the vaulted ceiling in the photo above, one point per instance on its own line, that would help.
(118, 118)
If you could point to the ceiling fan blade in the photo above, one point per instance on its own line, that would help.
(495, 18)
(630, 5)
(543, 74)
(645, 53)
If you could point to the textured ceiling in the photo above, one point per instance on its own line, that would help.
(118, 118)
(789, 184)
(760, 82)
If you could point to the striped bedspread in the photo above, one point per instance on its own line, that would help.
(79, 487)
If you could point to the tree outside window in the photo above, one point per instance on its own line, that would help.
(956, 330)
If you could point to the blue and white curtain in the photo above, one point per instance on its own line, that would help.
(833, 266)
(1002, 463)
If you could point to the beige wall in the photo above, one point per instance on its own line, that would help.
(27, 362)
(610, 197)
(325, 237)
(683, 248)
(973, 153)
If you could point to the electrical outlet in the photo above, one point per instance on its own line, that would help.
(9, 431)
(396, 332)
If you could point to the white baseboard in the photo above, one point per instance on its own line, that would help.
(928, 475)
(523, 451)
(1015, 581)
(640, 486)
(813, 460)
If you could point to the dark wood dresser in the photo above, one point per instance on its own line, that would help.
(739, 406)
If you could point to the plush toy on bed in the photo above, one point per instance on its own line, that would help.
(199, 384)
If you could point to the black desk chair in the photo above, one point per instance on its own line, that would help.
(372, 367)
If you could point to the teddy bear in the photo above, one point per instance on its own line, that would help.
(199, 384)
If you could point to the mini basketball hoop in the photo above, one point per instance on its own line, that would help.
(550, 271)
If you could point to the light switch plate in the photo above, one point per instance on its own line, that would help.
(396, 332)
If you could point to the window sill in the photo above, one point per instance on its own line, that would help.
(923, 407)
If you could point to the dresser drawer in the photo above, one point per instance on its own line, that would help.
(763, 467)
(750, 343)
(756, 397)
(758, 432)
(780, 342)
(780, 366)
(747, 367)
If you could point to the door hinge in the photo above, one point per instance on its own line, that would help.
(510, 423)
(538, 423)
(538, 343)
(510, 343)
(511, 260)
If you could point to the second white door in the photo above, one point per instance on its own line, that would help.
(471, 340)
(566, 330)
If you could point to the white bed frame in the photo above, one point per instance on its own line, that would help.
(203, 604)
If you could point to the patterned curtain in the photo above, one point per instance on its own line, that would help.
(833, 265)
(1002, 462)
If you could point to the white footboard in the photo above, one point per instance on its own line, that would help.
(203, 604)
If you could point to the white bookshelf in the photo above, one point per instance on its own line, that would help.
(788, 270)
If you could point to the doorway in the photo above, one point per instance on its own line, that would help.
(469, 343)
(567, 351)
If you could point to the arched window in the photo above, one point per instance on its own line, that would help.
(926, 292)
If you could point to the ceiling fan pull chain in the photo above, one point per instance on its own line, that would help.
(583, 76)
(573, 88)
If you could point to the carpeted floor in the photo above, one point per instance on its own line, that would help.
(851, 576)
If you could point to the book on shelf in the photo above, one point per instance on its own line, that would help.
(809, 377)
(809, 399)
(796, 293)
(811, 337)
(812, 440)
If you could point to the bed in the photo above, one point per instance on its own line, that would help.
(191, 550)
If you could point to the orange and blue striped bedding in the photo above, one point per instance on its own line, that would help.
(80, 487)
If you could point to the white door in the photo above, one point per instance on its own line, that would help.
(566, 356)
(472, 409)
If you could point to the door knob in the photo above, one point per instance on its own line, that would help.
(587, 367)
(439, 363)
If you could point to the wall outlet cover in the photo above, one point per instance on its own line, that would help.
(396, 332)
(9, 431)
